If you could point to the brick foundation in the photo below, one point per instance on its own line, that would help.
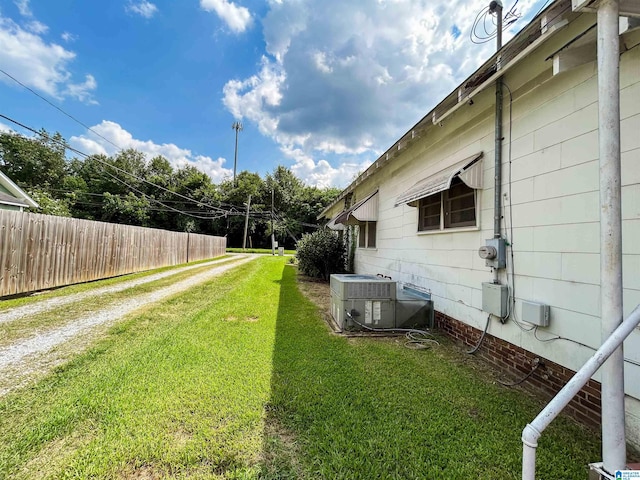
(515, 362)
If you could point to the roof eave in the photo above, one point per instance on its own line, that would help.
(17, 192)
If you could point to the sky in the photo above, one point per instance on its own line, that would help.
(322, 87)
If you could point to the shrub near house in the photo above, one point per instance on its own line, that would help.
(321, 253)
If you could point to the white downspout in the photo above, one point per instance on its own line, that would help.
(613, 414)
(533, 430)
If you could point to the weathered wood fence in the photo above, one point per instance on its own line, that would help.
(42, 251)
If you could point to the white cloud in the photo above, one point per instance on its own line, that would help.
(143, 8)
(82, 91)
(40, 65)
(23, 7)
(68, 37)
(252, 97)
(238, 19)
(178, 157)
(5, 128)
(37, 27)
(321, 173)
(352, 81)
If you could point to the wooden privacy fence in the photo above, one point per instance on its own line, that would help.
(41, 251)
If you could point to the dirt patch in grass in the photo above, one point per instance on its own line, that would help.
(316, 290)
(280, 452)
(58, 452)
(144, 472)
(249, 319)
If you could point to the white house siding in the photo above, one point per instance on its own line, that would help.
(555, 201)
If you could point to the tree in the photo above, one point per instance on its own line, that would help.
(234, 197)
(48, 205)
(38, 162)
(297, 205)
(128, 188)
(129, 209)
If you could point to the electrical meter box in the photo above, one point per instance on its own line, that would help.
(495, 298)
(494, 253)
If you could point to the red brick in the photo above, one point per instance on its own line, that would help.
(512, 362)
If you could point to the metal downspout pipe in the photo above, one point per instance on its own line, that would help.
(613, 414)
(533, 430)
(497, 197)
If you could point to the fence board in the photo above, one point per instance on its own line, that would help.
(38, 252)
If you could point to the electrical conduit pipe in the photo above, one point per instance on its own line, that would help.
(533, 430)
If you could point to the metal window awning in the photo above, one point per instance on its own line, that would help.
(366, 210)
(468, 170)
(333, 225)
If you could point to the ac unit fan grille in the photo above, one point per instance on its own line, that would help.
(369, 290)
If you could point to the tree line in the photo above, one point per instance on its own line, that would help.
(128, 188)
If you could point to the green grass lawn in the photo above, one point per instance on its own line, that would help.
(7, 303)
(240, 379)
(258, 250)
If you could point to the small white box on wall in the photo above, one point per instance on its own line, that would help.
(536, 313)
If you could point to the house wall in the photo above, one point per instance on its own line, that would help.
(4, 206)
(551, 214)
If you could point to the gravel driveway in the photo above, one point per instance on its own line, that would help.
(40, 352)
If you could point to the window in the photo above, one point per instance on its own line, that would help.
(452, 208)
(367, 235)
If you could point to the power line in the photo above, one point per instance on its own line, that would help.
(79, 122)
(98, 159)
(160, 203)
(59, 109)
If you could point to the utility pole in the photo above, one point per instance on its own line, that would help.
(273, 236)
(237, 126)
(246, 225)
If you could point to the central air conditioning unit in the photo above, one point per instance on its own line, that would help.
(369, 301)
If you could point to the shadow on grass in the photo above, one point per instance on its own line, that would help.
(369, 408)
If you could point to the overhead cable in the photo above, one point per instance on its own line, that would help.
(98, 159)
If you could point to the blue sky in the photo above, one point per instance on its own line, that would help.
(321, 86)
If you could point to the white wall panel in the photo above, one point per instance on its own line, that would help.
(631, 237)
(538, 264)
(581, 267)
(570, 237)
(580, 149)
(629, 137)
(567, 181)
(580, 208)
(631, 271)
(631, 201)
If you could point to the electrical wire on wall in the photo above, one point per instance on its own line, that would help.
(511, 302)
(484, 333)
(485, 26)
(536, 364)
(416, 339)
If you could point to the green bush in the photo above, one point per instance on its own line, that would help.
(321, 253)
